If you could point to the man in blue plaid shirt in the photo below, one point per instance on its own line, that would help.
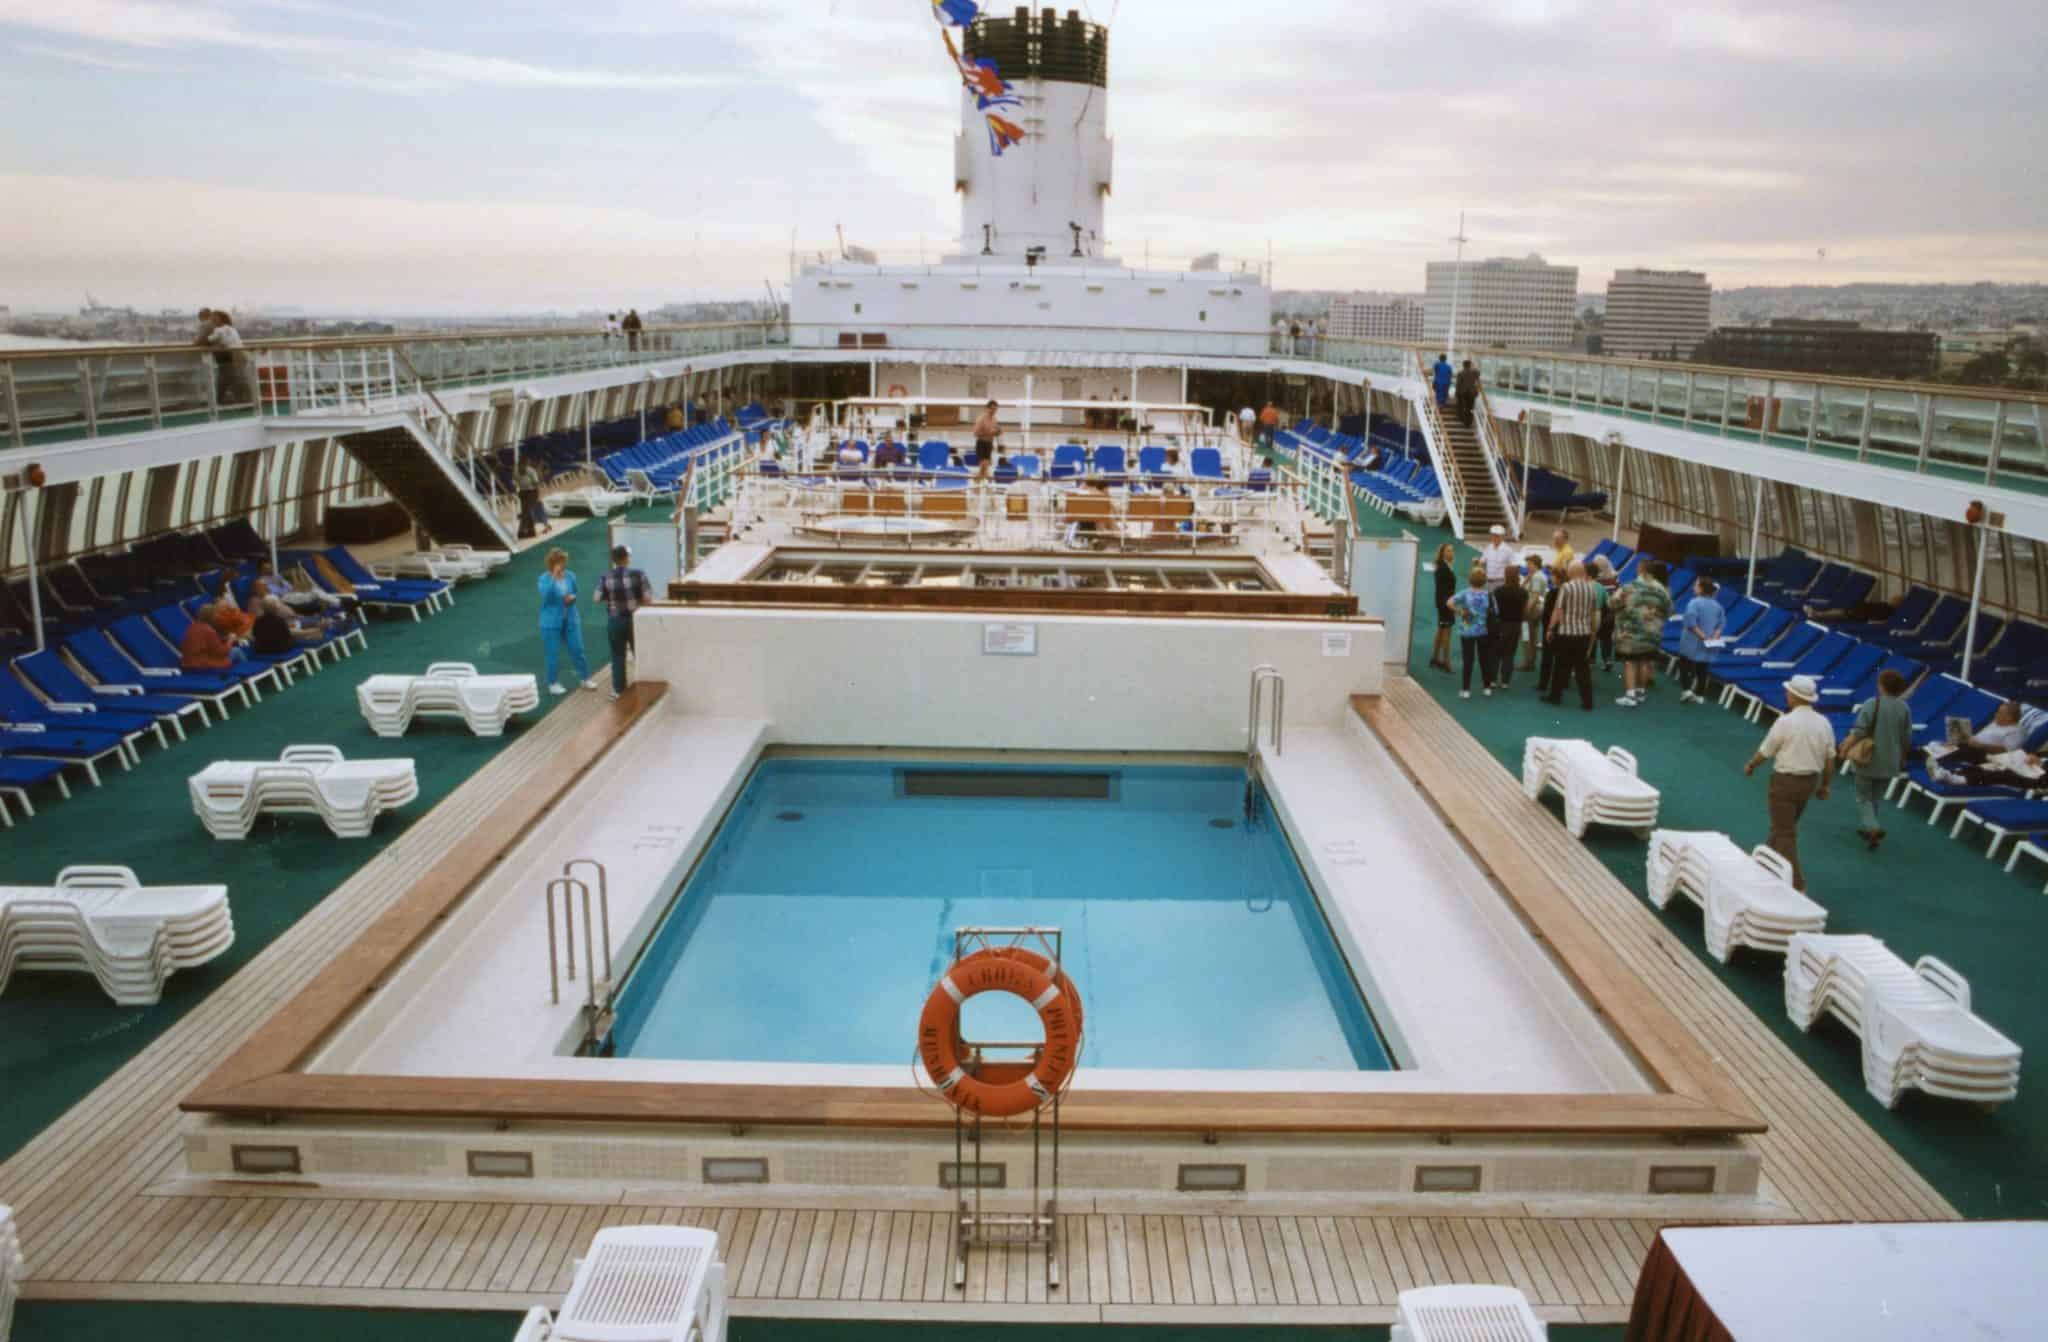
(623, 590)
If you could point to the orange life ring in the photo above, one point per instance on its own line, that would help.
(898, 389)
(1001, 1091)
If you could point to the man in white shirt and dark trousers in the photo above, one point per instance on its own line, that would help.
(1801, 746)
(1496, 557)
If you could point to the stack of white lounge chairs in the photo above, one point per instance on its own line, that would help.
(12, 1269)
(640, 1284)
(1598, 789)
(597, 500)
(1747, 898)
(448, 689)
(228, 795)
(103, 922)
(1915, 1021)
(1466, 1314)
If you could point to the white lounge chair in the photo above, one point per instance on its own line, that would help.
(492, 560)
(102, 921)
(12, 1270)
(1466, 1314)
(1915, 1022)
(448, 689)
(228, 795)
(1747, 898)
(1598, 789)
(437, 564)
(642, 1284)
(597, 500)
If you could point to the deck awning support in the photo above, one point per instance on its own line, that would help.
(1976, 599)
(1756, 526)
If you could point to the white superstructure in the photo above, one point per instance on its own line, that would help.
(1032, 256)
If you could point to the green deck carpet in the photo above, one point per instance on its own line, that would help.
(66, 1322)
(59, 1034)
(1923, 894)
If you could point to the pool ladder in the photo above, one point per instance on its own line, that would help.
(1262, 676)
(597, 992)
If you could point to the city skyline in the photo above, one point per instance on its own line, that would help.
(368, 158)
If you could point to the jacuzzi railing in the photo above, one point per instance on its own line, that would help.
(598, 992)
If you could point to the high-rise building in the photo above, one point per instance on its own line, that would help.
(1360, 319)
(1656, 314)
(1502, 302)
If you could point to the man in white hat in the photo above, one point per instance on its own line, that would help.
(1496, 557)
(1801, 747)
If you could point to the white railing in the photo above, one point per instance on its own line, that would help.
(49, 396)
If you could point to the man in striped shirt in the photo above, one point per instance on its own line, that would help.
(1572, 623)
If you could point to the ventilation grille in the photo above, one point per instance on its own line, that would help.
(1007, 783)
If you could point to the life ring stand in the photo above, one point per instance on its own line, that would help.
(897, 389)
(1001, 1090)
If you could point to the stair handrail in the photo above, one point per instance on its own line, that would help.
(452, 426)
(1513, 506)
(1437, 438)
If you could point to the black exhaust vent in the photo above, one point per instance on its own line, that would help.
(1007, 783)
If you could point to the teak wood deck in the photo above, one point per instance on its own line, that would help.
(106, 1212)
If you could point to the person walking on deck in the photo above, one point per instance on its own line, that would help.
(561, 626)
(1702, 622)
(1571, 633)
(1468, 390)
(1641, 611)
(1801, 748)
(1498, 556)
(623, 590)
(1440, 379)
(1886, 724)
(1536, 580)
(1446, 588)
(987, 430)
(1472, 609)
(632, 326)
(1510, 608)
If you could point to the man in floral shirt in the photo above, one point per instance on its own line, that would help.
(1641, 610)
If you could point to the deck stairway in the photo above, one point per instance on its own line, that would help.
(429, 486)
(1484, 505)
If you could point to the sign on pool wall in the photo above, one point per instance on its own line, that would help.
(1009, 640)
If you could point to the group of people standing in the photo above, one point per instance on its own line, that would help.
(1560, 615)
(622, 590)
(1556, 615)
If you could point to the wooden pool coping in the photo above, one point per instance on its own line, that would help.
(265, 1077)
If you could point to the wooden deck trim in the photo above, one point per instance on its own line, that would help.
(261, 1077)
(1018, 600)
(288, 1037)
(1666, 1046)
(682, 1104)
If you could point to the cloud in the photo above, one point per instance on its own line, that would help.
(154, 25)
(91, 59)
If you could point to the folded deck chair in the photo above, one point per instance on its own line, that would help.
(1465, 1314)
(646, 1284)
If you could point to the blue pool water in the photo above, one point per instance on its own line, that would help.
(824, 911)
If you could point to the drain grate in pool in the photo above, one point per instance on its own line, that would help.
(787, 816)
(1222, 822)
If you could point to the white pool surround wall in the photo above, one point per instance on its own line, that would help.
(923, 679)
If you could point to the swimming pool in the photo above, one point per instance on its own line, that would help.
(824, 910)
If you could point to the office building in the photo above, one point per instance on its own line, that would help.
(1846, 349)
(1501, 303)
(1656, 314)
(1359, 319)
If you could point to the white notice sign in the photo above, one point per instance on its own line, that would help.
(1009, 640)
(1336, 643)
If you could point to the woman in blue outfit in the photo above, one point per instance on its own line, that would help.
(1469, 611)
(560, 625)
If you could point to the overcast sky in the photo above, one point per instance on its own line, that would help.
(453, 155)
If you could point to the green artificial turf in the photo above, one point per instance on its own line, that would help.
(59, 1034)
(1922, 893)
